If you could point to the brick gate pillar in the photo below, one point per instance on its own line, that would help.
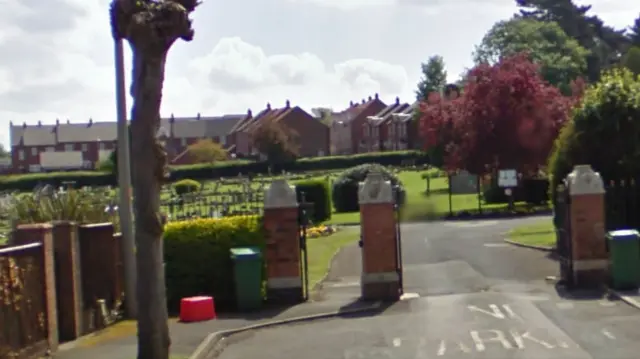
(380, 278)
(282, 253)
(587, 216)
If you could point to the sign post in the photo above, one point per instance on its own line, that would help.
(508, 179)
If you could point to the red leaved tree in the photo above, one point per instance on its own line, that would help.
(507, 117)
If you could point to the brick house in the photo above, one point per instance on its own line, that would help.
(184, 132)
(62, 146)
(349, 128)
(313, 134)
(392, 128)
(72, 146)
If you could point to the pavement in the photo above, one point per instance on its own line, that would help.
(475, 297)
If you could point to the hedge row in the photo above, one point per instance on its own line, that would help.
(224, 169)
(197, 257)
(317, 192)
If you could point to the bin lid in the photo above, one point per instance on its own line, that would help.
(241, 253)
(623, 235)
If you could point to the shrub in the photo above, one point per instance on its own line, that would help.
(317, 191)
(186, 186)
(198, 260)
(345, 187)
(76, 179)
(610, 109)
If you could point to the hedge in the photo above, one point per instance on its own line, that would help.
(222, 169)
(318, 192)
(198, 260)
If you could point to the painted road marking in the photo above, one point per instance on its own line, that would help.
(513, 339)
(496, 312)
(608, 334)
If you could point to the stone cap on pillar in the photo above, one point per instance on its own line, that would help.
(375, 189)
(280, 195)
(584, 180)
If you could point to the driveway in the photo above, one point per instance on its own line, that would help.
(476, 298)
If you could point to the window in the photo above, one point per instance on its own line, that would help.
(391, 129)
(34, 151)
(84, 147)
(21, 155)
(102, 146)
(50, 149)
(223, 140)
(183, 142)
(68, 147)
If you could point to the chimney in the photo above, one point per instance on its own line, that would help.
(10, 123)
(68, 121)
(198, 116)
(376, 96)
(39, 123)
(172, 119)
(397, 100)
(370, 98)
(90, 122)
(24, 125)
(268, 106)
(351, 104)
(57, 122)
(249, 113)
(363, 101)
(287, 104)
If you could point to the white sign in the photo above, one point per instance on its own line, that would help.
(508, 178)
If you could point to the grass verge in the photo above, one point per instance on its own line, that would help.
(322, 250)
(541, 234)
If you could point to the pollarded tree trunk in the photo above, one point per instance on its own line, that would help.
(150, 27)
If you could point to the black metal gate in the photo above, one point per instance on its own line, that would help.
(562, 222)
(303, 221)
(398, 198)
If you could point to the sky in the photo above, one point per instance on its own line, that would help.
(57, 55)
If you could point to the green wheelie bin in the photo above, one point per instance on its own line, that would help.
(624, 251)
(247, 270)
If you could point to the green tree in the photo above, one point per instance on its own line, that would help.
(560, 57)
(276, 141)
(434, 77)
(151, 27)
(631, 60)
(3, 152)
(206, 150)
(605, 44)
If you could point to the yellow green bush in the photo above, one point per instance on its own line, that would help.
(197, 256)
(186, 186)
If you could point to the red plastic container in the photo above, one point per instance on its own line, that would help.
(197, 309)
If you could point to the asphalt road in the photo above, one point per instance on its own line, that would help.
(477, 298)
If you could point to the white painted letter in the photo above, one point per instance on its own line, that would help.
(442, 348)
(519, 339)
(496, 336)
(495, 311)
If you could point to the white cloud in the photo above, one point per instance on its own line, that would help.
(236, 69)
(63, 69)
(57, 55)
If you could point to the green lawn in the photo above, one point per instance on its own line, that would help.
(540, 234)
(322, 249)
